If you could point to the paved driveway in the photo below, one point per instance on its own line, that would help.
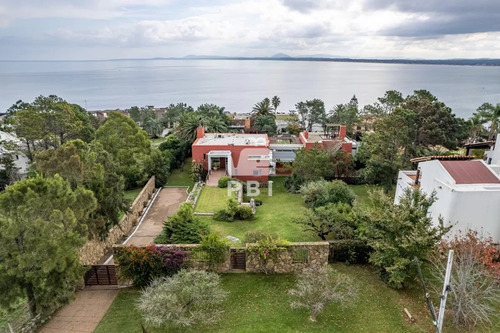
(166, 204)
(84, 313)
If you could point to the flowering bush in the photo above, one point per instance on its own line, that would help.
(268, 248)
(141, 264)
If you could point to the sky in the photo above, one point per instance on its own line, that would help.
(110, 29)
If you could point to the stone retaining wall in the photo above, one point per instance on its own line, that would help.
(92, 252)
(294, 259)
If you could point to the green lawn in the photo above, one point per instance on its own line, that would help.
(182, 176)
(132, 194)
(274, 216)
(361, 192)
(287, 117)
(156, 142)
(211, 199)
(260, 303)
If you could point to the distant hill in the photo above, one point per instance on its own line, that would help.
(281, 55)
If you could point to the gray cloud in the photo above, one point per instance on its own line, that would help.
(441, 17)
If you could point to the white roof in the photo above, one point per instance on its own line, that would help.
(233, 139)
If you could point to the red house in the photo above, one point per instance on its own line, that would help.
(241, 156)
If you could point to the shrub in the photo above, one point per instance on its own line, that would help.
(223, 181)
(222, 215)
(317, 287)
(351, 251)
(258, 202)
(244, 212)
(185, 299)
(321, 192)
(197, 171)
(183, 227)
(141, 265)
(294, 183)
(215, 247)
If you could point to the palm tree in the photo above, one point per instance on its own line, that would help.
(215, 124)
(266, 124)
(275, 101)
(490, 114)
(475, 127)
(263, 108)
(188, 123)
(153, 127)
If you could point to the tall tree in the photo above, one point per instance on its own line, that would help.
(311, 112)
(275, 101)
(346, 114)
(491, 114)
(215, 124)
(263, 108)
(399, 233)
(40, 239)
(153, 127)
(129, 146)
(174, 112)
(187, 125)
(266, 124)
(93, 168)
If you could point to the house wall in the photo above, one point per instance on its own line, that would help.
(242, 168)
(404, 182)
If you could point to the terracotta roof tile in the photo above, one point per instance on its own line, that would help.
(470, 172)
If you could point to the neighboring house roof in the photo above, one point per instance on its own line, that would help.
(232, 139)
(442, 158)
(470, 172)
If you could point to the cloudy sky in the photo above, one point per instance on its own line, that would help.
(104, 29)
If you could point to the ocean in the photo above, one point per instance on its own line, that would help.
(239, 84)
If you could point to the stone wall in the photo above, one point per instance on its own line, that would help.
(92, 252)
(294, 259)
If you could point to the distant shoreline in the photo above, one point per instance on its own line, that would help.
(455, 62)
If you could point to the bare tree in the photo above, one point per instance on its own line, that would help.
(317, 287)
(475, 295)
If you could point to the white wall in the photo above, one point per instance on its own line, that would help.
(494, 154)
(403, 183)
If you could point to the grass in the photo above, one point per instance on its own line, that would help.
(156, 142)
(274, 216)
(211, 199)
(361, 192)
(260, 303)
(132, 194)
(182, 176)
(287, 117)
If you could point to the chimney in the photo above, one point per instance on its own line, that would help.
(247, 124)
(306, 134)
(342, 132)
(200, 132)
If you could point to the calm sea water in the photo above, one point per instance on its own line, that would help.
(238, 85)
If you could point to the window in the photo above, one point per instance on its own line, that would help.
(235, 172)
(204, 156)
(258, 157)
(257, 172)
(300, 256)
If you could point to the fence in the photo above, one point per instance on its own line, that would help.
(101, 275)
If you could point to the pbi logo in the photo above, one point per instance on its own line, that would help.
(252, 188)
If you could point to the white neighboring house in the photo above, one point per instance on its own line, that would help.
(20, 160)
(467, 192)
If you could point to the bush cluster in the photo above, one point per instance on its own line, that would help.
(352, 251)
(141, 265)
(233, 211)
(223, 181)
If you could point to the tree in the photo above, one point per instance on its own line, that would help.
(174, 112)
(476, 128)
(9, 173)
(185, 299)
(491, 114)
(215, 124)
(160, 166)
(182, 227)
(334, 220)
(398, 233)
(129, 146)
(92, 167)
(317, 287)
(153, 127)
(275, 101)
(311, 112)
(346, 114)
(41, 233)
(315, 164)
(263, 108)
(179, 150)
(213, 111)
(188, 123)
(30, 127)
(266, 124)
(320, 193)
(474, 297)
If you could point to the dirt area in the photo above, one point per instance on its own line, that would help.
(84, 313)
(165, 205)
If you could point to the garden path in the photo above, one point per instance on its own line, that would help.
(84, 313)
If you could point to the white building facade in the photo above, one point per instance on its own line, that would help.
(467, 192)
